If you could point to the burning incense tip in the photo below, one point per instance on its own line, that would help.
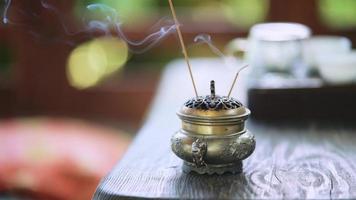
(185, 53)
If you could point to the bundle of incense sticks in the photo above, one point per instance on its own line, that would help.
(186, 57)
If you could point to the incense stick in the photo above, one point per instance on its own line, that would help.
(234, 82)
(183, 46)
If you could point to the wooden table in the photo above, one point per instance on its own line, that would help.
(292, 160)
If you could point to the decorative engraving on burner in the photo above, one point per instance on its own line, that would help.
(199, 148)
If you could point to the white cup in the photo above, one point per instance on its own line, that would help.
(337, 68)
(317, 46)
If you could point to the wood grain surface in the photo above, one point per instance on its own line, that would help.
(292, 160)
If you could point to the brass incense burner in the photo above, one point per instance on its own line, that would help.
(213, 137)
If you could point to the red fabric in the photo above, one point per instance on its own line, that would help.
(56, 159)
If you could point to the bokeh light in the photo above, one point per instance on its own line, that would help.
(338, 14)
(92, 61)
(246, 13)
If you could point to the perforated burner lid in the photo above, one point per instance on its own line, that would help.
(213, 106)
(210, 102)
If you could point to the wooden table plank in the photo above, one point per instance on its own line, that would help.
(291, 160)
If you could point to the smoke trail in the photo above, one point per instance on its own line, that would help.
(230, 61)
(206, 39)
(103, 19)
(111, 20)
(7, 6)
